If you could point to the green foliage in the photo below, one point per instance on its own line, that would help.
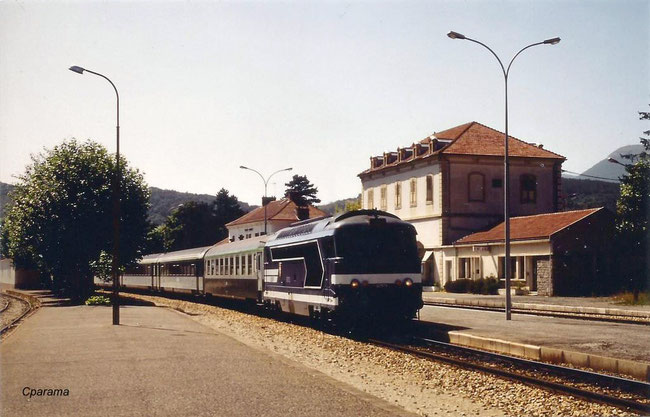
(632, 218)
(340, 206)
(163, 202)
(458, 286)
(61, 217)
(477, 286)
(196, 224)
(301, 191)
(98, 300)
(584, 194)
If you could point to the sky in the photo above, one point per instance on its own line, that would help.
(317, 86)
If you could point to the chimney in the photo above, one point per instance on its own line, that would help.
(302, 213)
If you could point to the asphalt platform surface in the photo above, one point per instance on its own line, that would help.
(159, 362)
(617, 340)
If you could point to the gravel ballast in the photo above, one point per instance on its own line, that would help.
(417, 385)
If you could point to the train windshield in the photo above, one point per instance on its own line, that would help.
(377, 250)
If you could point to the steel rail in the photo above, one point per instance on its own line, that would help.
(578, 316)
(29, 309)
(518, 377)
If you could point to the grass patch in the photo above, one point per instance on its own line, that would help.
(98, 300)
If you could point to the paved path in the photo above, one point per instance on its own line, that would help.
(158, 363)
(623, 341)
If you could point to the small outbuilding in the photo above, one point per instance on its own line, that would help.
(563, 253)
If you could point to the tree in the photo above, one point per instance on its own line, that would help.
(61, 217)
(632, 216)
(190, 225)
(301, 191)
(194, 224)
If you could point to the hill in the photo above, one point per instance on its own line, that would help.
(162, 201)
(582, 194)
(606, 169)
(338, 205)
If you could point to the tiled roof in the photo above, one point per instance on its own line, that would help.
(283, 209)
(471, 138)
(539, 226)
(478, 139)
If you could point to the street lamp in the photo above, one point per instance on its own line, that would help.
(266, 182)
(506, 162)
(116, 203)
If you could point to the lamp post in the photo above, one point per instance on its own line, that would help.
(116, 203)
(506, 163)
(266, 182)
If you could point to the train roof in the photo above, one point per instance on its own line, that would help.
(319, 227)
(192, 254)
(150, 259)
(244, 245)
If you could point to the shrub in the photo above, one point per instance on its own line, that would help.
(458, 286)
(98, 300)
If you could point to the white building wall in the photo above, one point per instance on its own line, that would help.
(489, 258)
(424, 216)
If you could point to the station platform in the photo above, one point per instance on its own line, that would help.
(157, 362)
(613, 347)
(606, 306)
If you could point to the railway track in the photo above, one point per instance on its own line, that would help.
(630, 395)
(579, 316)
(16, 309)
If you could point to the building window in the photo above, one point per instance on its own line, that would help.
(398, 195)
(382, 198)
(413, 192)
(476, 187)
(464, 268)
(516, 267)
(497, 183)
(528, 188)
(429, 189)
(371, 200)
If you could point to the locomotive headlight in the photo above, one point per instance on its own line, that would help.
(354, 283)
(408, 282)
(398, 282)
(364, 283)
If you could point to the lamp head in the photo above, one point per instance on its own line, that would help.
(288, 169)
(76, 69)
(455, 35)
(242, 167)
(553, 41)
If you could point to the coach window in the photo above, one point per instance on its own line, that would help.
(413, 192)
(476, 187)
(371, 199)
(382, 201)
(398, 195)
(528, 188)
(429, 189)
(250, 264)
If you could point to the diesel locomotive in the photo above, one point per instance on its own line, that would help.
(360, 265)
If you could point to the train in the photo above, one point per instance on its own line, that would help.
(362, 265)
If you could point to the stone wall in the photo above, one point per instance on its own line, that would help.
(544, 277)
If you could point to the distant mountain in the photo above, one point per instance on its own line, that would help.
(5, 189)
(163, 202)
(338, 205)
(606, 169)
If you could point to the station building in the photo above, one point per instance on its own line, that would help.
(450, 185)
(279, 214)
